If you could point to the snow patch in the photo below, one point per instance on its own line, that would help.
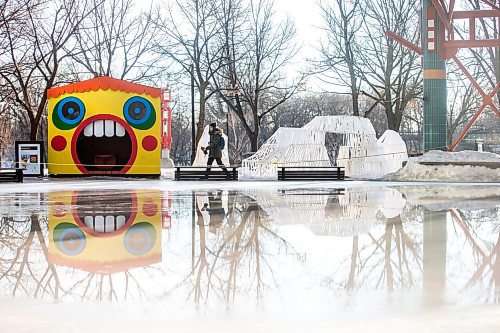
(464, 166)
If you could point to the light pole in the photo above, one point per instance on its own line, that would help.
(193, 135)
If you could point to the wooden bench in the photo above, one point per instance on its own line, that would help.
(198, 173)
(311, 173)
(15, 175)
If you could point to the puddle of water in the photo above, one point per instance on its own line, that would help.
(317, 254)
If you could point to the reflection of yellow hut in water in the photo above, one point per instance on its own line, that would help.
(105, 232)
(104, 126)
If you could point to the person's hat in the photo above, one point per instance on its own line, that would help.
(214, 124)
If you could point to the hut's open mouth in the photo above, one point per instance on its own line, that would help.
(103, 145)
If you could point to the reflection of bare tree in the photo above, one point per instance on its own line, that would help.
(103, 286)
(393, 256)
(23, 269)
(29, 271)
(485, 253)
(238, 245)
(387, 260)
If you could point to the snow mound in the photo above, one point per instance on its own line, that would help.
(464, 166)
(466, 156)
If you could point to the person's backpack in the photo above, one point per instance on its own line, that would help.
(222, 142)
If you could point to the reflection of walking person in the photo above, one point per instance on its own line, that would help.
(214, 149)
(217, 212)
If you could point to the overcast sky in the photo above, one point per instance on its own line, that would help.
(307, 17)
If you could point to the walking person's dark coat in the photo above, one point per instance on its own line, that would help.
(213, 149)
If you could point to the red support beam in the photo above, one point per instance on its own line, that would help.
(467, 128)
(472, 28)
(403, 42)
(443, 15)
(460, 44)
(464, 15)
(487, 101)
(470, 77)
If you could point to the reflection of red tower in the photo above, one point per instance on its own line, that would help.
(444, 41)
(166, 203)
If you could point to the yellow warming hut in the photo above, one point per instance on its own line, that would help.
(104, 126)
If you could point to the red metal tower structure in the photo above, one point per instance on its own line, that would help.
(439, 44)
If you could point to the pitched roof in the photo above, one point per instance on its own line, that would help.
(103, 83)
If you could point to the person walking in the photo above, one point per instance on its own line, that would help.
(214, 149)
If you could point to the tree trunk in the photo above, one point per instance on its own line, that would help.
(34, 129)
(355, 98)
(393, 120)
(254, 140)
(354, 86)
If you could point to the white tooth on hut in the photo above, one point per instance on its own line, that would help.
(120, 221)
(89, 130)
(109, 128)
(99, 128)
(110, 223)
(99, 223)
(89, 221)
(120, 130)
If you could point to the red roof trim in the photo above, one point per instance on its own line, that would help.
(103, 83)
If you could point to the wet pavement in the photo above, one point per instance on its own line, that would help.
(310, 257)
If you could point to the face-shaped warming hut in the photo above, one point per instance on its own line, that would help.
(104, 126)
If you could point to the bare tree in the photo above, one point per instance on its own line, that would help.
(188, 36)
(34, 52)
(390, 72)
(181, 146)
(301, 109)
(115, 39)
(342, 20)
(369, 63)
(256, 65)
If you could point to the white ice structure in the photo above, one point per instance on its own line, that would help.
(201, 159)
(345, 141)
(288, 146)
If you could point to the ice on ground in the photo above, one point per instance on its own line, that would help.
(464, 166)
(449, 196)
